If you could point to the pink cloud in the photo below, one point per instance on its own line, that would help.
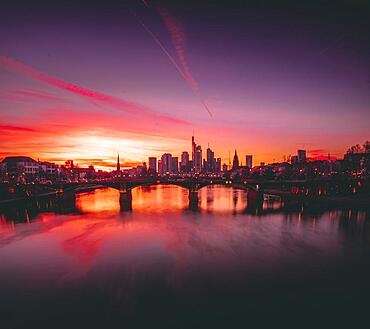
(15, 128)
(20, 68)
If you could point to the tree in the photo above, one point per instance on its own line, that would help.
(355, 149)
(366, 147)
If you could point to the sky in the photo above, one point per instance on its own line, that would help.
(138, 78)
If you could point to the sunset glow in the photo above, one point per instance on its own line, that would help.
(159, 74)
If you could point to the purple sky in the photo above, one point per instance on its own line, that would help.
(275, 78)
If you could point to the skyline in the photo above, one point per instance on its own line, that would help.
(205, 153)
(137, 79)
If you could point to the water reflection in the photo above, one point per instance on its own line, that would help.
(163, 256)
(159, 198)
(28, 210)
(98, 201)
(221, 199)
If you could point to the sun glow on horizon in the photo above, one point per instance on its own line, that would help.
(101, 150)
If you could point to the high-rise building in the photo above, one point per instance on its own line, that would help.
(175, 165)
(184, 159)
(301, 156)
(153, 165)
(185, 164)
(249, 161)
(198, 159)
(160, 169)
(235, 161)
(224, 167)
(210, 164)
(193, 153)
(166, 163)
(218, 166)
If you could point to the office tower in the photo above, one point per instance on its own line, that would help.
(166, 163)
(210, 165)
(184, 159)
(224, 167)
(185, 163)
(175, 165)
(193, 152)
(218, 166)
(301, 156)
(249, 161)
(198, 159)
(235, 161)
(152, 165)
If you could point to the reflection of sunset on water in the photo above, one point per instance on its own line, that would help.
(222, 199)
(162, 243)
(100, 200)
(159, 198)
(163, 198)
(160, 230)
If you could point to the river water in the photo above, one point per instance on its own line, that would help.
(163, 265)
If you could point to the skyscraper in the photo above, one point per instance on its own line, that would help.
(301, 155)
(210, 165)
(218, 166)
(198, 159)
(193, 152)
(166, 163)
(152, 165)
(184, 158)
(235, 161)
(175, 165)
(249, 161)
(184, 165)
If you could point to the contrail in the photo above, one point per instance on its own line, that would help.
(178, 37)
(185, 72)
(161, 46)
(206, 107)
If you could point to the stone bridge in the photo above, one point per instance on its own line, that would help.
(288, 190)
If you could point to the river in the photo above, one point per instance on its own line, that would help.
(163, 265)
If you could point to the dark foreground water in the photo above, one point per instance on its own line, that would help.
(164, 266)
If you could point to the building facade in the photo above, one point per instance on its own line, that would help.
(152, 165)
(249, 161)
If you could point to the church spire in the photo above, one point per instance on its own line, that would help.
(118, 164)
(235, 161)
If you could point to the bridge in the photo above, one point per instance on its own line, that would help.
(289, 191)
